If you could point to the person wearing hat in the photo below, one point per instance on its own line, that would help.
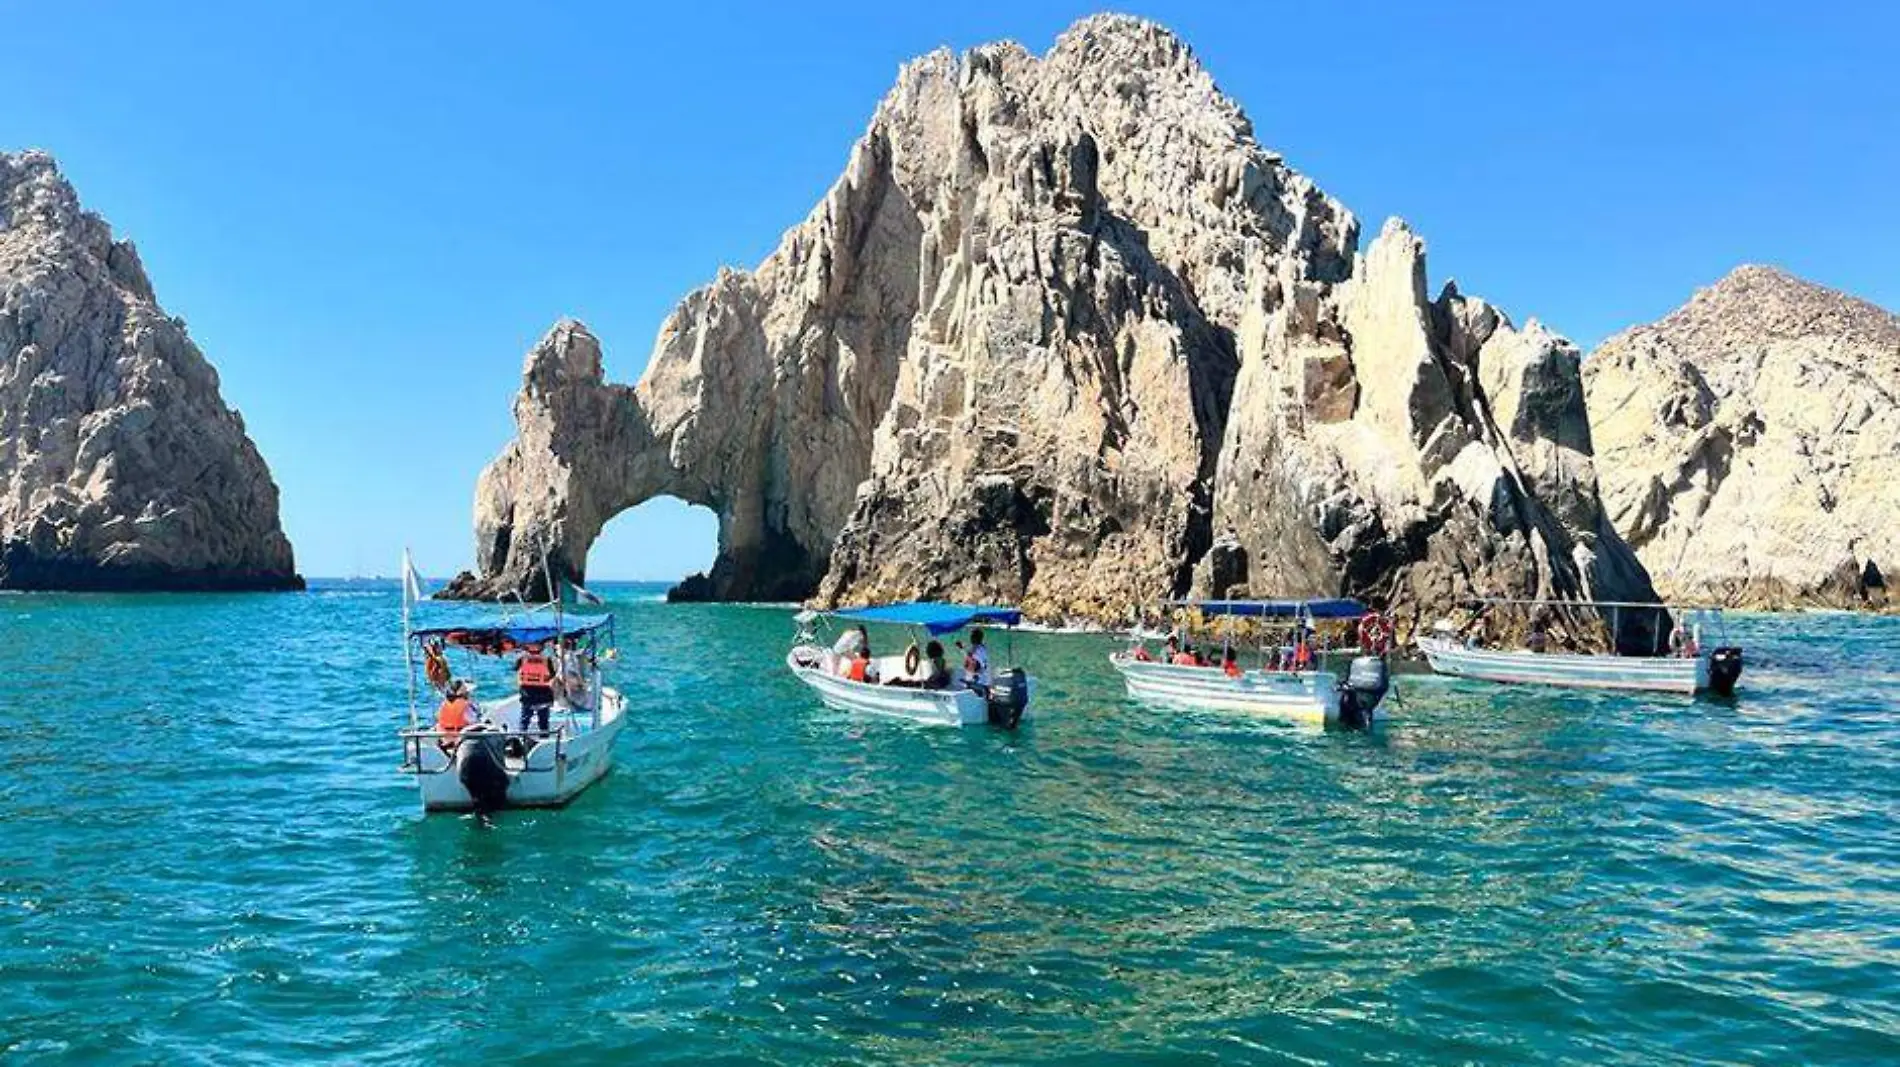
(454, 715)
(535, 674)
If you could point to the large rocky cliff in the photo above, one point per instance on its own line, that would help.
(120, 466)
(1065, 334)
(1750, 443)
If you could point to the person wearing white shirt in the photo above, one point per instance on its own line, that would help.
(976, 661)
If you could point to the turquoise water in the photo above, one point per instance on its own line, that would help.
(206, 855)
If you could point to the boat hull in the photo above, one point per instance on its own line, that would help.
(1659, 674)
(930, 707)
(552, 773)
(1300, 696)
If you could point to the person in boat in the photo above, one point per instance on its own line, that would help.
(1178, 654)
(937, 671)
(456, 712)
(1302, 653)
(1539, 638)
(576, 688)
(535, 675)
(1230, 664)
(976, 661)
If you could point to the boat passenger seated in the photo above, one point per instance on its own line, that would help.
(456, 712)
(1141, 654)
(1230, 665)
(1302, 655)
(936, 671)
(1537, 640)
(1181, 656)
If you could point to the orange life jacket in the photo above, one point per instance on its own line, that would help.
(452, 716)
(1232, 669)
(1302, 656)
(858, 666)
(1142, 656)
(534, 671)
(1185, 659)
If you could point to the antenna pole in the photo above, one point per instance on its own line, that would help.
(408, 645)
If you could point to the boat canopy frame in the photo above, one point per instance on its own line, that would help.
(1674, 613)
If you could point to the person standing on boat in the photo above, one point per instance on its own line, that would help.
(976, 662)
(535, 675)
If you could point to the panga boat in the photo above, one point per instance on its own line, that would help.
(847, 677)
(1678, 661)
(497, 760)
(1288, 677)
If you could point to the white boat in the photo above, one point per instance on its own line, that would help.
(1004, 699)
(1305, 691)
(1690, 668)
(497, 760)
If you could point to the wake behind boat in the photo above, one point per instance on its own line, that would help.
(1679, 661)
(918, 685)
(1288, 677)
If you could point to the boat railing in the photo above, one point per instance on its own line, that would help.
(412, 741)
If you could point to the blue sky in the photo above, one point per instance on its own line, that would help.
(367, 212)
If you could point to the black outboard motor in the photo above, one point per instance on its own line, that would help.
(1009, 696)
(1366, 682)
(482, 771)
(1725, 669)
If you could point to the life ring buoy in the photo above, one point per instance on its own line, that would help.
(436, 666)
(912, 659)
(1375, 633)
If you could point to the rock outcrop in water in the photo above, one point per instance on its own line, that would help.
(1751, 443)
(120, 466)
(1065, 334)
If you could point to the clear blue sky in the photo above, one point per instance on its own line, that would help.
(368, 211)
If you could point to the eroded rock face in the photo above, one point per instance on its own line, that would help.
(1061, 327)
(120, 466)
(1750, 443)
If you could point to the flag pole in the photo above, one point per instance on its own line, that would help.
(408, 645)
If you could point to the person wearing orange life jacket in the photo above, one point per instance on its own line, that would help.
(534, 673)
(453, 716)
(1302, 654)
(1230, 665)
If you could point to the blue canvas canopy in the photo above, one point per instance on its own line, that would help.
(481, 635)
(1338, 608)
(936, 619)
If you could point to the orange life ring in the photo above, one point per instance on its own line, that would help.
(1375, 632)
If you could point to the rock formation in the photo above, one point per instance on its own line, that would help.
(120, 466)
(1064, 334)
(1750, 443)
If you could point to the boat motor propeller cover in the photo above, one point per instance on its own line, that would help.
(482, 771)
(1366, 683)
(1725, 669)
(1009, 696)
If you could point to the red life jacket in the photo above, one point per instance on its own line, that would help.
(534, 672)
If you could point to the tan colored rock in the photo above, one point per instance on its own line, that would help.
(1750, 443)
(1062, 324)
(120, 466)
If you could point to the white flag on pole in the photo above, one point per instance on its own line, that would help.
(411, 581)
(584, 595)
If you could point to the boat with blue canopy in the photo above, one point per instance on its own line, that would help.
(918, 684)
(1281, 673)
(481, 755)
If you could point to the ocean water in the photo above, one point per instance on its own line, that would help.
(207, 856)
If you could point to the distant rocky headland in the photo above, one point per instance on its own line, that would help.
(1749, 444)
(1065, 334)
(120, 466)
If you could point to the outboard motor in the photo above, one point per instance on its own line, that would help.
(1366, 682)
(483, 772)
(1725, 669)
(1009, 696)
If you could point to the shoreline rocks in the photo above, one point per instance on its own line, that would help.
(1065, 334)
(120, 466)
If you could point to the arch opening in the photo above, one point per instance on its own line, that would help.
(663, 541)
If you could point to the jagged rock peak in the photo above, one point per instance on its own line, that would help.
(1060, 327)
(1753, 440)
(120, 466)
